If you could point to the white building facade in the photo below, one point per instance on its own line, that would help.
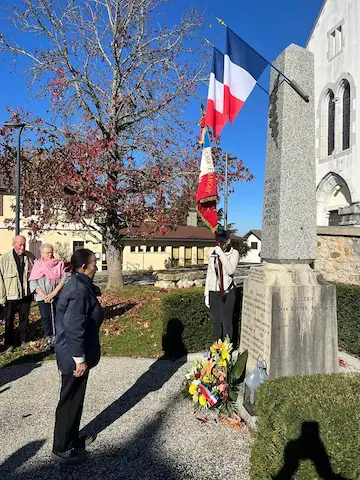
(253, 239)
(335, 42)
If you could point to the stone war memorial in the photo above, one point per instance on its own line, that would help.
(289, 311)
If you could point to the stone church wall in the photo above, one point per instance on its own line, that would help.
(338, 255)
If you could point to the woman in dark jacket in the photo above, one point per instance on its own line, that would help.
(77, 347)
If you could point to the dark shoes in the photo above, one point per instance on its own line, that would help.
(77, 454)
(71, 457)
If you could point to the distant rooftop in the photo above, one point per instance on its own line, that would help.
(185, 232)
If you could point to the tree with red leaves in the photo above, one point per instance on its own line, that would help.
(117, 151)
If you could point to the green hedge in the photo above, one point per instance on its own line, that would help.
(187, 321)
(348, 313)
(282, 407)
(187, 307)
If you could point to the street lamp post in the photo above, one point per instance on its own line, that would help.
(19, 126)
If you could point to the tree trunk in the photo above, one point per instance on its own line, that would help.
(114, 256)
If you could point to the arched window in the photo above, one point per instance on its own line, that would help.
(346, 116)
(331, 122)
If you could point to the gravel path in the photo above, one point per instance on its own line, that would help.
(145, 428)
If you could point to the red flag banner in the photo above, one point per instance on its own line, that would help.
(207, 195)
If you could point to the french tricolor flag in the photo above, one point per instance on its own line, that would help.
(233, 77)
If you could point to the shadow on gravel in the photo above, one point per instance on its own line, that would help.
(20, 367)
(157, 375)
(18, 458)
(139, 458)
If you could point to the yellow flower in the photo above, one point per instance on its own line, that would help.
(192, 389)
(222, 363)
(225, 355)
(202, 400)
(206, 379)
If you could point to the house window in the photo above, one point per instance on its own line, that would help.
(188, 255)
(200, 255)
(175, 253)
(132, 248)
(77, 244)
(140, 249)
(1, 205)
(331, 123)
(346, 116)
(254, 245)
(336, 42)
(163, 249)
(148, 248)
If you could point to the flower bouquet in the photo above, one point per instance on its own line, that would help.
(213, 381)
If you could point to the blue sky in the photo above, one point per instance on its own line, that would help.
(269, 27)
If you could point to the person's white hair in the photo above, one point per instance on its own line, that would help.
(46, 245)
(18, 237)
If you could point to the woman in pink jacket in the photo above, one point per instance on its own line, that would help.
(46, 279)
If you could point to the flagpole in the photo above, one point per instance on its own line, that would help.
(226, 194)
(294, 85)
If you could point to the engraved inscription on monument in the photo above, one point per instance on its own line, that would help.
(271, 205)
(256, 319)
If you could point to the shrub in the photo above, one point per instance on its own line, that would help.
(348, 313)
(63, 251)
(185, 315)
(241, 246)
(292, 406)
(171, 263)
(185, 310)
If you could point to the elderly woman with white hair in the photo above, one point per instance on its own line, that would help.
(46, 280)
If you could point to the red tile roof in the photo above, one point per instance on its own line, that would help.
(180, 233)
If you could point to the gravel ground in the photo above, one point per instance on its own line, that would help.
(146, 430)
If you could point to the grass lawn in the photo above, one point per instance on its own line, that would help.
(133, 327)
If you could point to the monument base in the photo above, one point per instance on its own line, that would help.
(289, 320)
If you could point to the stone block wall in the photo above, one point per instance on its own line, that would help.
(338, 258)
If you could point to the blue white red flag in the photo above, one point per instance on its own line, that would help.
(233, 77)
(207, 194)
(216, 115)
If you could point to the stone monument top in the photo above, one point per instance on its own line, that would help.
(289, 211)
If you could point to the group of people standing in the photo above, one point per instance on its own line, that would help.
(73, 299)
(22, 277)
(69, 306)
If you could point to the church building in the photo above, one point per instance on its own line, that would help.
(335, 43)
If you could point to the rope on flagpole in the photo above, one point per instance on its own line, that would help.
(293, 84)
